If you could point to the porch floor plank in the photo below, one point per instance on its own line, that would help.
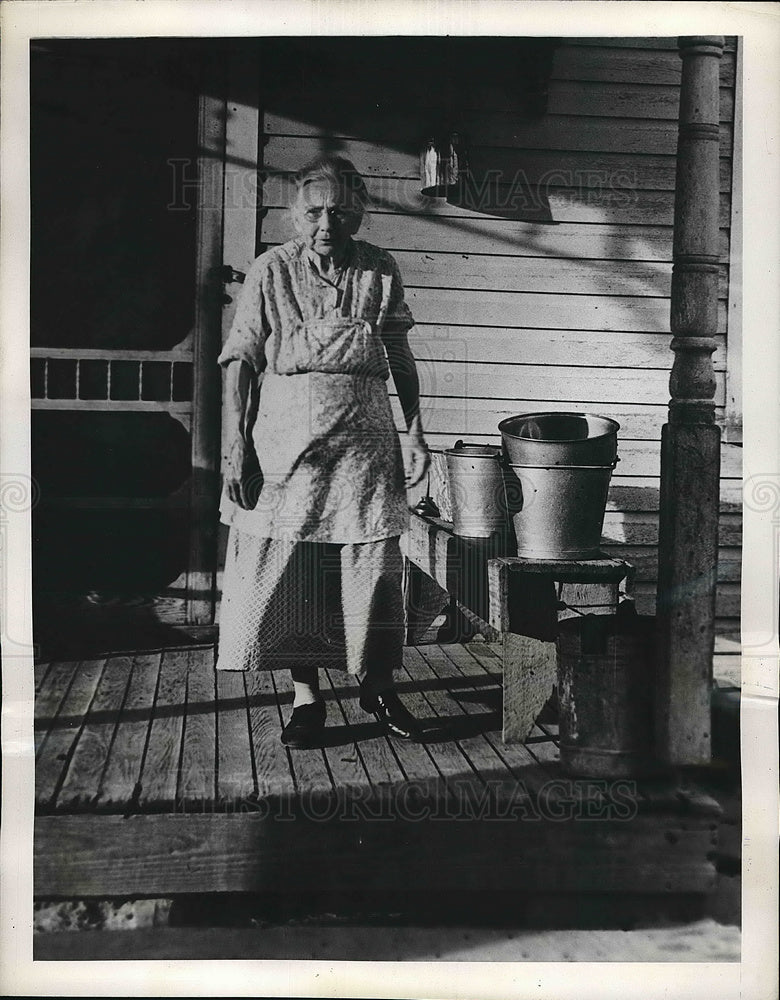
(81, 784)
(160, 775)
(454, 661)
(480, 749)
(50, 696)
(272, 766)
(446, 756)
(345, 761)
(197, 783)
(418, 761)
(235, 767)
(121, 779)
(476, 752)
(373, 748)
(39, 673)
(66, 728)
(308, 768)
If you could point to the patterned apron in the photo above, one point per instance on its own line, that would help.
(326, 439)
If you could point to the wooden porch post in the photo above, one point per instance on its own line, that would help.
(204, 490)
(690, 442)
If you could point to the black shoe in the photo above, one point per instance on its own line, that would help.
(390, 711)
(304, 730)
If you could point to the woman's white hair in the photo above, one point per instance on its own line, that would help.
(339, 171)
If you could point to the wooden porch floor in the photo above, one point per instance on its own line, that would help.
(145, 732)
(156, 775)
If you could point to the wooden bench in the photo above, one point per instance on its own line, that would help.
(514, 603)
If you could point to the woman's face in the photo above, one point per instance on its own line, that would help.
(325, 219)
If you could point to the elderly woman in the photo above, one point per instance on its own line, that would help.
(314, 473)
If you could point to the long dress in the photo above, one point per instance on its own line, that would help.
(313, 571)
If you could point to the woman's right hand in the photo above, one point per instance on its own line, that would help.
(243, 475)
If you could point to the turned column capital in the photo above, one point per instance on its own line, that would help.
(694, 301)
(701, 45)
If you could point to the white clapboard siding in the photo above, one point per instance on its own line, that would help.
(560, 168)
(540, 274)
(645, 560)
(476, 419)
(469, 380)
(624, 100)
(545, 285)
(541, 310)
(440, 342)
(598, 204)
(599, 243)
(641, 528)
(614, 64)
(727, 603)
(501, 128)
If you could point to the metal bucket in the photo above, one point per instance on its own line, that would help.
(558, 468)
(557, 511)
(476, 485)
(559, 439)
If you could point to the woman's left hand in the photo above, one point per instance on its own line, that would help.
(417, 458)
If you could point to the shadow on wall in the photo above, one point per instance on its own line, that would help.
(392, 94)
(319, 98)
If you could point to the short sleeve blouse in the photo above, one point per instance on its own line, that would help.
(283, 290)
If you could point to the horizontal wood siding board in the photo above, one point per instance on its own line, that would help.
(504, 237)
(470, 380)
(542, 310)
(591, 99)
(503, 127)
(644, 559)
(626, 495)
(597, 204)
(641, 528)
(440, 342)
(479, 418)
(611, 64)
(727, 602)
(624, 100)
(567, 168)
(533, 274)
